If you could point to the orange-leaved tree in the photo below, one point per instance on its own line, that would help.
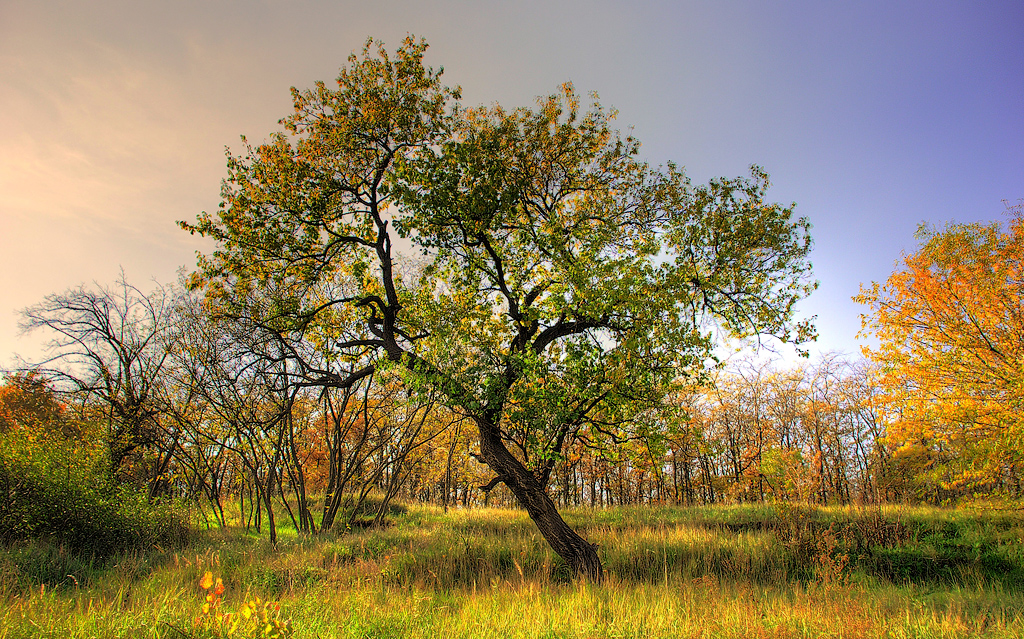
(28, 403)
(950, 329)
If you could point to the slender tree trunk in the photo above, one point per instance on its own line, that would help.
(448, 467)
(158, 485)
(268, 495)
(268, 492)
(241, 506)
(298, 478)
(675, 477)
(580, 555)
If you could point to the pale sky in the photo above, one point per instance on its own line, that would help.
(871, 116)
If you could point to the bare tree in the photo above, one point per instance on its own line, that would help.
(110, 346)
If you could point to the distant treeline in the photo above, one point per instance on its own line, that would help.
(167, 393)
(179, 404)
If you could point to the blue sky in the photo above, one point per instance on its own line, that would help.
(872, 116)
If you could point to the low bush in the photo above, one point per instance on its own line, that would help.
(54, 488)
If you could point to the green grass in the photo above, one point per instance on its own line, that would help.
(741, 571)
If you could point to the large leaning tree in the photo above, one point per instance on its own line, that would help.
(525, 264)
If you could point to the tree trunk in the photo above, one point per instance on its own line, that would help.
(268, 497)
(580, 555)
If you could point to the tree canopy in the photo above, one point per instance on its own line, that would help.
(552, 287)
(950, 325)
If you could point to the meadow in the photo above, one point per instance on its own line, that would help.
(727, 571)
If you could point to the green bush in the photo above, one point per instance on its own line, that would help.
(57, 489)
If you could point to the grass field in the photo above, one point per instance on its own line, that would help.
(741, 571)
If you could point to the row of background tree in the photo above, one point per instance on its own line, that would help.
(208, 409)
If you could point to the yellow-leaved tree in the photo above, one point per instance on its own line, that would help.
(950, 327)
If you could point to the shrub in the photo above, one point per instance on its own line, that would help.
(57, 488)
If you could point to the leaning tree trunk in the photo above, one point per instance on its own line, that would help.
(578, 553)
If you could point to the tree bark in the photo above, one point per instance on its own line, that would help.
(580, 555)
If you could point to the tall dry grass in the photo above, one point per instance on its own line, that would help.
(750, 571)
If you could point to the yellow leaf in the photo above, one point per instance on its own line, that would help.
(206, 581)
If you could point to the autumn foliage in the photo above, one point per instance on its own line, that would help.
(950, 326)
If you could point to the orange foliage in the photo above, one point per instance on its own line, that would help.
(950, 325)
(26, 402)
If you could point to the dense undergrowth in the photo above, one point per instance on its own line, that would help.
(771, 571)
(59, 489)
